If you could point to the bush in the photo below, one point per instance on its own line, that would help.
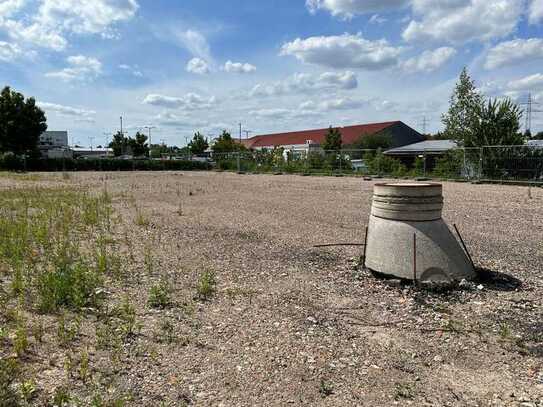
(10, 162)
(449, 166)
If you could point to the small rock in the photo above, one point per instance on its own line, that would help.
(438, 359)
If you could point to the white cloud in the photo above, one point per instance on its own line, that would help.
(514, 52)
(536, 11)
(270, 113)
(55, 20)
(9, 52)
(343, 51)
(332, 104)
(238, 67)
(190, 101)
(173, 120)
(532, 82)
(305, 83)
(81, 68)
(196, 44)
(10, 7)
(349, 8)
(377, 19)
(341, 104)
(197, 66)
(67, 111)
(459, 21)
(86, 17)
(429, 61)
(34, 34)
(134, 70)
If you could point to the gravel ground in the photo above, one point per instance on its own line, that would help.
(291, 324)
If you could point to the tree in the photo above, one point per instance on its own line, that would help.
(332, 140)
(460, 120)
(21, 123)
(119, 144)
(136, 146)
(139, 145)
(199, 144)
(497, 124)
(226, 144)
(539, 136)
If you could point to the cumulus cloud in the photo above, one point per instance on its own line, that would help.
(9, 52)
(341, 104)
(82, 115)
(532, 82)
(429, 61)
(190, 101)
(238, 67)
(10, 7)
(459, 21)
(305, 83)
(514, 52)
(343, 51)
(80, 68)
(54, 21)
(197, 66)
(349, 8)
(536, 12)
(174, 120)
(271, 113)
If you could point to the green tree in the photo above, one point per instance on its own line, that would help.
(497, 124)
(226, 144)
(21, 123)
(460, 120)
(199, 144)
(539, 136)
(119, 144)
(332, 140)
(138, 145)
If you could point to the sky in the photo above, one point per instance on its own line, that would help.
(273, 65)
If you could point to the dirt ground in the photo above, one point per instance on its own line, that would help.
(291, 324)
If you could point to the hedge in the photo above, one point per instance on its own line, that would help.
(12, 163)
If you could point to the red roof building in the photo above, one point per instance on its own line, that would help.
(399, 133)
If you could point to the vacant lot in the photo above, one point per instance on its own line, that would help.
(177, 289)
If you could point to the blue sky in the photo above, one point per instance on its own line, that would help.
(280, 65)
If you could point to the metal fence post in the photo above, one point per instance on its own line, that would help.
(465, 172)
(480, 163)
(424, 164)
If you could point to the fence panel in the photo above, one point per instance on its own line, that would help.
(491, 163)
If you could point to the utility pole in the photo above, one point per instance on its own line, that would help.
(247, 133)
(90, 141)
(239, 153)
(149, 128)
(122, 126)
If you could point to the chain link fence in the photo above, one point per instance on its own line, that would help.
(492, 163)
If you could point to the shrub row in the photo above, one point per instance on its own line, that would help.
(13, 163)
